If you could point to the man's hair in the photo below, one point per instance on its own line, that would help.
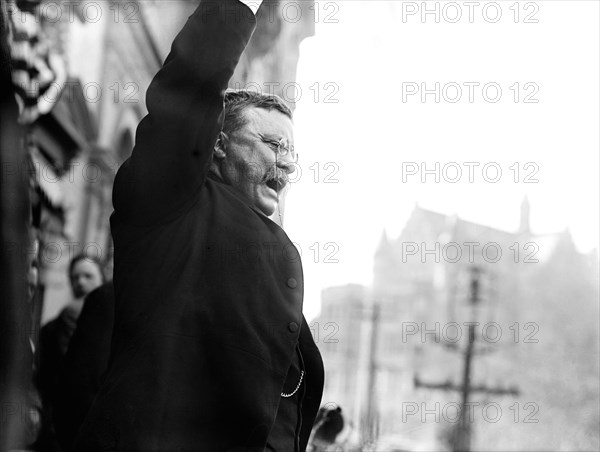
(236, 101)
(84, 257)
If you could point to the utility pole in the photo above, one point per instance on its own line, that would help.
(462, 440)
(371, 419)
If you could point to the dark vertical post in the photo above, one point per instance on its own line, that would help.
(371, 415)
(462, 442)
(15, 355)
(463, 438)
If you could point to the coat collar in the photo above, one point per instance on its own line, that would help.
(216, 178)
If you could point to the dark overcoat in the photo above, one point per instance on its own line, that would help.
(84, 364)
(209, 291)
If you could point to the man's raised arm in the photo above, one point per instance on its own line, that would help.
(174, 142)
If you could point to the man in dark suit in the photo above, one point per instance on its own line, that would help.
(210, 349)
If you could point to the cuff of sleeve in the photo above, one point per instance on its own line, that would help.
(252, 4)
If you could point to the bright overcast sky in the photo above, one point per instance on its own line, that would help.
(371, 133)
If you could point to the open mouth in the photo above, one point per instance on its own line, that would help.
(276, 182)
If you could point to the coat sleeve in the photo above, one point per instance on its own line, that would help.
(175, 141)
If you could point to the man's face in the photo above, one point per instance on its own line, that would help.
(85, 277)
(252, 166)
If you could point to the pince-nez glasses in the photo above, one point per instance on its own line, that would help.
(282, 148)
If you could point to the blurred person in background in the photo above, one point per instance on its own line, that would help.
(85, 275)
(330, 431)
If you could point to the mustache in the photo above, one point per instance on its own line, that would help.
(257, 173)
(276, 173)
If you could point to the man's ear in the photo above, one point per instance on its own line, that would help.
(219, 149)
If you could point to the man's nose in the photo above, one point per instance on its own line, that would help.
(288, 167)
